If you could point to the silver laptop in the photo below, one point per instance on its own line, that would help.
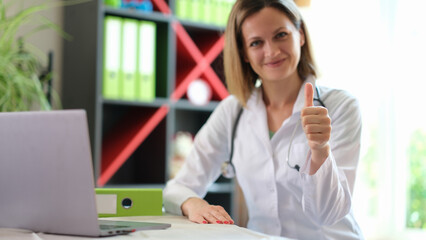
(46, 176)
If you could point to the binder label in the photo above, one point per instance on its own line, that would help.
(106, 203)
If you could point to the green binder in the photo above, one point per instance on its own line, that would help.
(222, 10)
(113, 3)
(120, 202)
(228, 8)
(208, 16)
(147, 61)
(183, 8)
(197, 10)
(129, 58)
(112, 56)
(217, 11)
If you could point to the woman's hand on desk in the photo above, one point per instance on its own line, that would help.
(199, 211)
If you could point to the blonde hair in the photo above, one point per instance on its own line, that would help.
(240, 77)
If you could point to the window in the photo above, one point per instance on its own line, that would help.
(376, 49)
(416, 211)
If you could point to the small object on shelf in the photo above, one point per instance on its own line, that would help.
(142, 5)
(182, 145)
(128, 4)
(113, 3)
(199, 92)
(145, 5)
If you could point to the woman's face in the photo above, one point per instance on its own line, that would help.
(272, 44)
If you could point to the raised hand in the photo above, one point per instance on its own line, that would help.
(200, 211)
(317, 127)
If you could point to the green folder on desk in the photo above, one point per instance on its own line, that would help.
(147, 61)
(120, 202)
(112, 56)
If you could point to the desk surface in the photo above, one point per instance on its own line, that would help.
(181, 228)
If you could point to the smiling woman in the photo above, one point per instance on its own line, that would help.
(272, 46)
(267, 41)
(241, 85)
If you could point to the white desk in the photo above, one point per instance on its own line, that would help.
(181, 228)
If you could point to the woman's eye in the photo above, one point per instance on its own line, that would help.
(281, 34)
(254, 43)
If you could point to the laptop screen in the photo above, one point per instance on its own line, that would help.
(46, 175)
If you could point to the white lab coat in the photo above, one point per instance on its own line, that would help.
(280, 200)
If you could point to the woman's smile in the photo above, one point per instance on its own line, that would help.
(275, 63)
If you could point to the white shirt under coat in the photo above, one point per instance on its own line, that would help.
(280, 200)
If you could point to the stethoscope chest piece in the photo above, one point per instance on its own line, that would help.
(228, 170)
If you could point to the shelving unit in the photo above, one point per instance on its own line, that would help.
(131, 140)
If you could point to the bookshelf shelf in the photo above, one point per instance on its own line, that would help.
(201, 26)
(186, 105)
(132, 139)
(157, 102)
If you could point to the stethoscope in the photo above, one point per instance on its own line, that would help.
(228, 169)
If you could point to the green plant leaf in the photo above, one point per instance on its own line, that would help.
(21, 88)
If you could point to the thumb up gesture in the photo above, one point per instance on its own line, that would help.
(317, 127)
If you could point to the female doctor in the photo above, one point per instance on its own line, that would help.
(295, 146)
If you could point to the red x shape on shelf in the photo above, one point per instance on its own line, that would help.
(120, 145)
(202, 64)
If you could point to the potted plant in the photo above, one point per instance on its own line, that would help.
(22, 83)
